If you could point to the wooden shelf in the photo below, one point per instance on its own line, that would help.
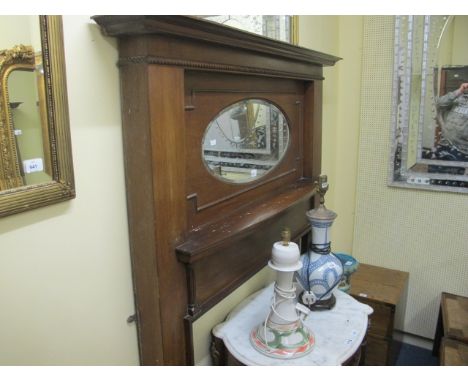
(222, 254)
(231, 228)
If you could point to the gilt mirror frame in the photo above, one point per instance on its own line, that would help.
(416, 81)
(17, 198)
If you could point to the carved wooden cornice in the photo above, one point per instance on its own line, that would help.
(265, 56)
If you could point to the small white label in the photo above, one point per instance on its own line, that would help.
(253, 172)
(362, 294)
(418, 180)
(213, 142)
(348, 263)
(33, 165)
(18, 132)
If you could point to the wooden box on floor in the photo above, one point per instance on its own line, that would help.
(451, 336)
(453, 353)
(382, 289)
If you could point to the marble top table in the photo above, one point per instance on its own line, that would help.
(338, 332)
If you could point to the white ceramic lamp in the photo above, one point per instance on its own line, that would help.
(283, 334)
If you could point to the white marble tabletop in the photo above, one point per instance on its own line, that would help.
(338, 332)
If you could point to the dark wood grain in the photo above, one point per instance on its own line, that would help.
(141, 212)
(167, 140)
(226, 253)
(186, 28)
(194, 239)
(152, 195)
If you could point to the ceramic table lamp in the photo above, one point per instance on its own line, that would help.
(283, 334)
(321, 271)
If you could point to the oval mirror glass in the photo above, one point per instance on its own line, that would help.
(245, 141)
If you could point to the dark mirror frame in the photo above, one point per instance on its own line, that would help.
(62, 186)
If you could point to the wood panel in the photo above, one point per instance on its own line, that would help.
(193, 238)
(453, 353)
(190, 42)
(452, 321)
(206, 95)
(227, 252)
(382, 289)
(379, 284)
(455, 316)
(377, 351)
(151, 124)
(141, 212)
(167, 139)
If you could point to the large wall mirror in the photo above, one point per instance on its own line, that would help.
(278, 27)
(35, 152)
(430, 103)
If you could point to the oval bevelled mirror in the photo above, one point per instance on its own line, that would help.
(245, 141)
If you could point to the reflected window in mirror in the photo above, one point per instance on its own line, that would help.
(245, 141)
(430, 103)
(35, 150)
(278, 27)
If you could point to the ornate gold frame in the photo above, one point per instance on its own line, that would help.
(295, 30)
(19, 58)
(14, 196)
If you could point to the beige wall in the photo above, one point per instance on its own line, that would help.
(421, 232)
(65, 280)
(341, 36)
(460, 31)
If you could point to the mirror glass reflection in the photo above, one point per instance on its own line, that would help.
(28, 125)
(23, 109)
(430, 103)
(278, 27)
(245, 141)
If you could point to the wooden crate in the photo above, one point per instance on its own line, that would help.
(451, 337)
(382, 289)
(453, 353)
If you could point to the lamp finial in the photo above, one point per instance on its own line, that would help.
(286, 236)
(322, 185)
